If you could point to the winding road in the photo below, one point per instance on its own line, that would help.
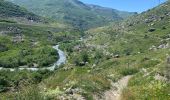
(61, 60)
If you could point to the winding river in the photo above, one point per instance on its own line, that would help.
(60, 61)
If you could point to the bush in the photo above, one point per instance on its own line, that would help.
(84, 56)
(98, 54)
(128, 51)
(3, 48)
(3, 84)
(42, 56)
(129, 71)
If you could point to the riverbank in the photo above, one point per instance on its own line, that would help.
(61, 60)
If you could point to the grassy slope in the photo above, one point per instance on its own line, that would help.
(131, 40)
(132, 37)
(35, 47)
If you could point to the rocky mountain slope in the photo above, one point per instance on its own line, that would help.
(74, 12)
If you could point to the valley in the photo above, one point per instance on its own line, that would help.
(69, 50)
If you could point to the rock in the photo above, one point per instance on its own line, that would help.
(130, 24)
(144, 70)
(162, 17)
(152, 24)
(151, 19)
(18, 38)
(147, 21)
(151, 29)
(69, 91)
(159, 77)
(167, 39)
(168, 60)
(73, 91)
(163, 46)
(82, 64)
(167, 13)
(94, 65)
(153, 48)
(117, 56)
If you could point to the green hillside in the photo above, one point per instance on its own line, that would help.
(26, 40)
(73, 12)
(125, 60)
(143, 42)
(30, 41)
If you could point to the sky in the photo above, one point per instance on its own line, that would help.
(126, 5)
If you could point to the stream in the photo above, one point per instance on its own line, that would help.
(60, 61)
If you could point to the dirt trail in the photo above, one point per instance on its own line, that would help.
(115, 92)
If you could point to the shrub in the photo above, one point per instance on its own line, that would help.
(3, 48)
(3, 84)
(129, 71)
(84, 56)
(98, 55)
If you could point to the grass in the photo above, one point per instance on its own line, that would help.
(142, 88)
(144, 85)
(100, 65)
(77, 78)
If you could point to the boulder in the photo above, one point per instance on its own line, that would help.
(117, 56)
(163, 46)
(151, 29)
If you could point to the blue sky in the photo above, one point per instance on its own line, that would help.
(126, 5)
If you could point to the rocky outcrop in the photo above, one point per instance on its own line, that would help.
(162, 46)
(18, 38)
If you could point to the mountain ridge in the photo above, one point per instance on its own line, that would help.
(74, 12)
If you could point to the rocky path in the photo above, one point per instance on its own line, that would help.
(115, 92)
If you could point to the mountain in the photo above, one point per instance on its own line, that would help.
(74, 12)
(10, 10)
